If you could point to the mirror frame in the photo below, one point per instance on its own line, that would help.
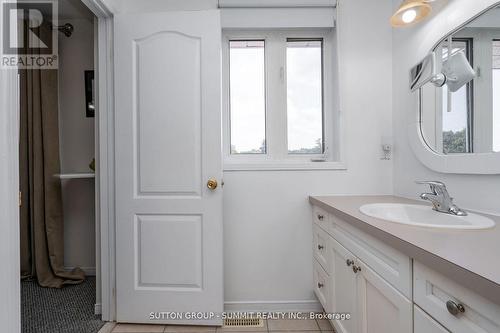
(475, 163)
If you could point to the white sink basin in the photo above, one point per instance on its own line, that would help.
(425, 216)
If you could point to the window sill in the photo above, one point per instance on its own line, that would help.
(283, 166)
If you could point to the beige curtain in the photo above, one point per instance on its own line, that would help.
(42, 237)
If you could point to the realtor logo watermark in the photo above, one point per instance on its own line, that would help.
(29, 34)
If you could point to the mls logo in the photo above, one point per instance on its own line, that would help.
(29, 34)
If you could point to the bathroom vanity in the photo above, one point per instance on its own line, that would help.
(380, 271)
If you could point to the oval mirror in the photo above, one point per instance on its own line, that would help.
(462, 114)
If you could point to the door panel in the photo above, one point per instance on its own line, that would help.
(168, 144)
(168, 115)
(162, 261)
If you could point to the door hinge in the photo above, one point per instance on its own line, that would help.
(20, 198)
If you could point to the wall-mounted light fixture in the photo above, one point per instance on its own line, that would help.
(411, 11)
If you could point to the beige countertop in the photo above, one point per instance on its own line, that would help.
(473, 255)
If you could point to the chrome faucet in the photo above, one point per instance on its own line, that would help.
(440, 198)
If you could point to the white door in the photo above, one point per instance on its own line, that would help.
(381, 308)
(168, 146)
(344, 287)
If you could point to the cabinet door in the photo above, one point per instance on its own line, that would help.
(381, 308)
(344, 288)
(424, 323)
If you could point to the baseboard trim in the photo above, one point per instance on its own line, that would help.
(108, 327)
(89, 271)
(274, 306)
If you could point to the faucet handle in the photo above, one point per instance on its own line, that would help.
(434, 185)
(431, 182)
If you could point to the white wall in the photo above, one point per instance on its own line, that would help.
(267, 217)
(409, 46)
(76, 55)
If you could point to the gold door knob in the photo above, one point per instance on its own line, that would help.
(212, 184)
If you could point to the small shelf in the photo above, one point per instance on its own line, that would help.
(75, 175)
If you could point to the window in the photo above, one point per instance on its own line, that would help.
(305, 96)
(276, 109)
(496, 94)
(247, 97)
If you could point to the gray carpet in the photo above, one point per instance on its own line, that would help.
(66, 310)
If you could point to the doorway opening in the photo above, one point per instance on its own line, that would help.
(58, 196)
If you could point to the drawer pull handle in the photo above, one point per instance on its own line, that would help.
(320, 285)
(320, 217)
(455, 308)
(356, 269)
(320, 247)
(349, 262)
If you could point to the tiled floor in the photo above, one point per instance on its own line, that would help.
(270, 326)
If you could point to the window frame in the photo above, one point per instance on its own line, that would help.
(277, 156)
(481, 132)
(469, 53)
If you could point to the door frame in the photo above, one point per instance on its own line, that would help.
(105, 175)
(10, 309)
(10, 276)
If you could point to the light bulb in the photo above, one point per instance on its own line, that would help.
(409, 16)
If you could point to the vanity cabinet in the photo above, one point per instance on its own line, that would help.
(344, 283)
(386, 291)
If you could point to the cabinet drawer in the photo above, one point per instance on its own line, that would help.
(432, 291)
(321, 248)
(423, 323)
(394, 266)
(322, 286)
(321, 218)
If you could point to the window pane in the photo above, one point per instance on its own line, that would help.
(455, 122)
(456, 133)
(304, 96)
(496, 95)
(248, 97)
